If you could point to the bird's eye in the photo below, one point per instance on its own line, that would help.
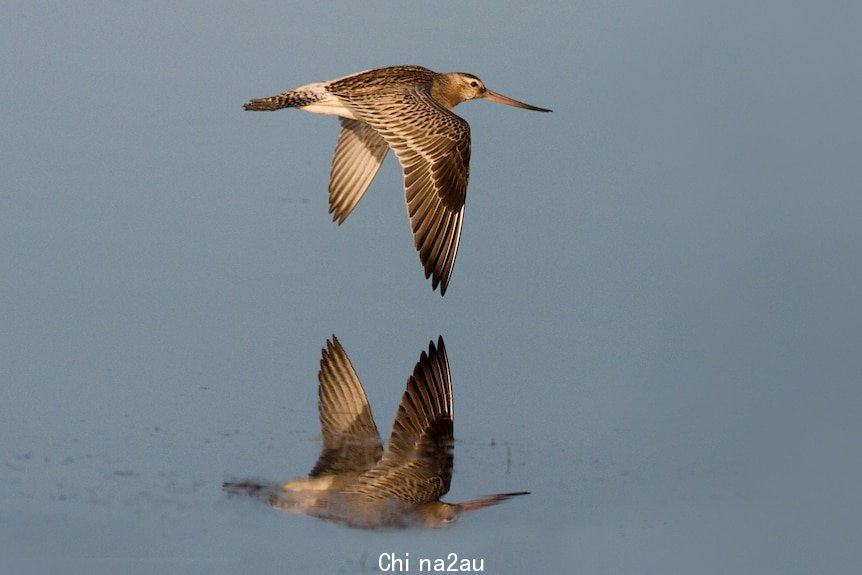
(473, 84)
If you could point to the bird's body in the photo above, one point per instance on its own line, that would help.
(407, 109)
(353, 481)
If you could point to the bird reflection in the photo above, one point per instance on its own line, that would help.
(353, 481)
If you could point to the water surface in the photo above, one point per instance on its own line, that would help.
(653, 325)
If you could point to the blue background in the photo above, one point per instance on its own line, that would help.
(653, 325)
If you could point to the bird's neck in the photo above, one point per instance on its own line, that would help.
(444, 90)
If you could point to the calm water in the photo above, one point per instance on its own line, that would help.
(653, 325)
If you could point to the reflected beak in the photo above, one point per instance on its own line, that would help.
(500, 497)
(501, 99)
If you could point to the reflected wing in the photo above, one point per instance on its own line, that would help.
(351, 442)
(433, 146)
(358, 155)
(418, 465)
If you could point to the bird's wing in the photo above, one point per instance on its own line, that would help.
(358, 155)
(351, 442)
(433, 146)
(418, 464)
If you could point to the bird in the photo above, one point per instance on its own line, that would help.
(354, 482)
(407, 109)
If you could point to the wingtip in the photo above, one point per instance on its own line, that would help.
(434, 349)
(439, 282)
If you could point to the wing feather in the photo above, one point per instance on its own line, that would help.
(433, 146)
(418, 465)
(358, 155)
(351, 442)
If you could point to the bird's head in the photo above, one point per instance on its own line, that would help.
(455, 87)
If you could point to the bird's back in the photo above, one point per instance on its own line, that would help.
(373, 81)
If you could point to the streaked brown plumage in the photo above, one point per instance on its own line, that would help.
(406, 108)
(351, 483)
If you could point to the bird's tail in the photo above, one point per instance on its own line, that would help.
(269, 104)
(248, 487)
(297, 98)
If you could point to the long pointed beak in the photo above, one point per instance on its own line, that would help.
(501, 99)
(491, 499)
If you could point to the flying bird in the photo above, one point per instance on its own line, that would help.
(408, 109)
(354, 482)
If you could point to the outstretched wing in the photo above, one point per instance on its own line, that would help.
(351, 442)
(418, 465)
(358, 155)
(433, 146)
